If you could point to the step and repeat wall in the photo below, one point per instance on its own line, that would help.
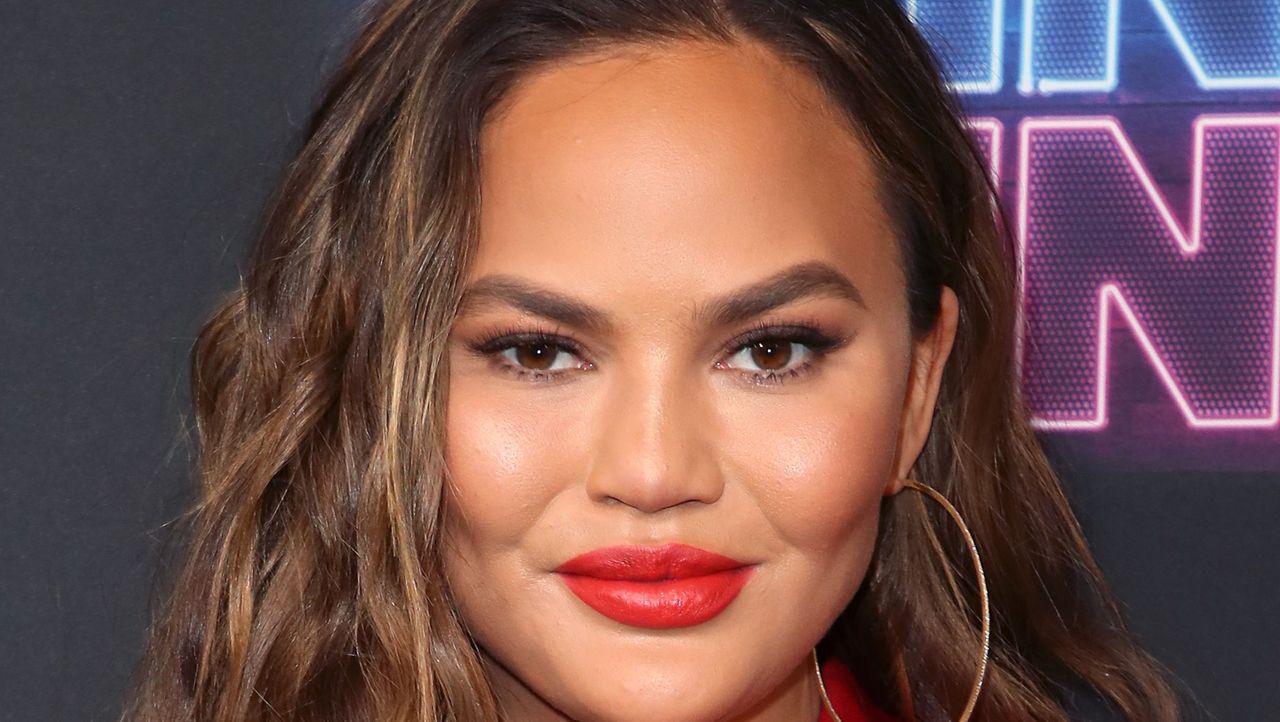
(1136, 144)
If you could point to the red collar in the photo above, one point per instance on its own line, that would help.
(848, 698)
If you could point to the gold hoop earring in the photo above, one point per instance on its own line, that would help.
(822, 689)
(982, 590)
(982, 596)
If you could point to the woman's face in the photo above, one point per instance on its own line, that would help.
(686, 324)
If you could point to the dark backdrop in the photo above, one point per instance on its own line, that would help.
(138, 140)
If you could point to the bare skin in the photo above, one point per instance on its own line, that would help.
(646, 184)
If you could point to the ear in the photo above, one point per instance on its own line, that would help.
(928, 357)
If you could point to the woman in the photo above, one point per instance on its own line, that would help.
(628, 439)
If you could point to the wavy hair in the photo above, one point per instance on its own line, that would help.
(310, 585)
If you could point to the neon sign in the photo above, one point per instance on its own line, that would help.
(972, 34)
(1098, 238)
(1144, 174)
(1073, 46)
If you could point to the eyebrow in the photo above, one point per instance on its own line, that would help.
(812, 279)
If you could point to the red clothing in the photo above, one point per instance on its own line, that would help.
(849, 699)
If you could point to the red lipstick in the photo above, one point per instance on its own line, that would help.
(656, 587)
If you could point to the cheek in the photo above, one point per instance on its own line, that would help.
(817, 462)
(503, 461)
(497, 457)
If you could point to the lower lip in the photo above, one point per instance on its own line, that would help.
(662, 604)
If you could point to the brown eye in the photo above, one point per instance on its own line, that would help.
(536, 356)
(771, 354)
(779, 353)
(532, 355)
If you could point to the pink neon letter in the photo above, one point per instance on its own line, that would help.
(1098, 239)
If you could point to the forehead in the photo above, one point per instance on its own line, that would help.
(681, 167)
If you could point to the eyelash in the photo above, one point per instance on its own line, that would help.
(807, 333)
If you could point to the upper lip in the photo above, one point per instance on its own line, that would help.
(648, 563)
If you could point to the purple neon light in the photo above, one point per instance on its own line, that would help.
(1097, 236)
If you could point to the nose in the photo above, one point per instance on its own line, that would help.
(652, 451)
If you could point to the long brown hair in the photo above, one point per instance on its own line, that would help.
(311, 586)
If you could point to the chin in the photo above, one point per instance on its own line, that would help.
(684, 705)
(655, 687)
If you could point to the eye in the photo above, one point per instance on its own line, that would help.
(774, 355)
(537, 355)
(780, 353)
(540, 356)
